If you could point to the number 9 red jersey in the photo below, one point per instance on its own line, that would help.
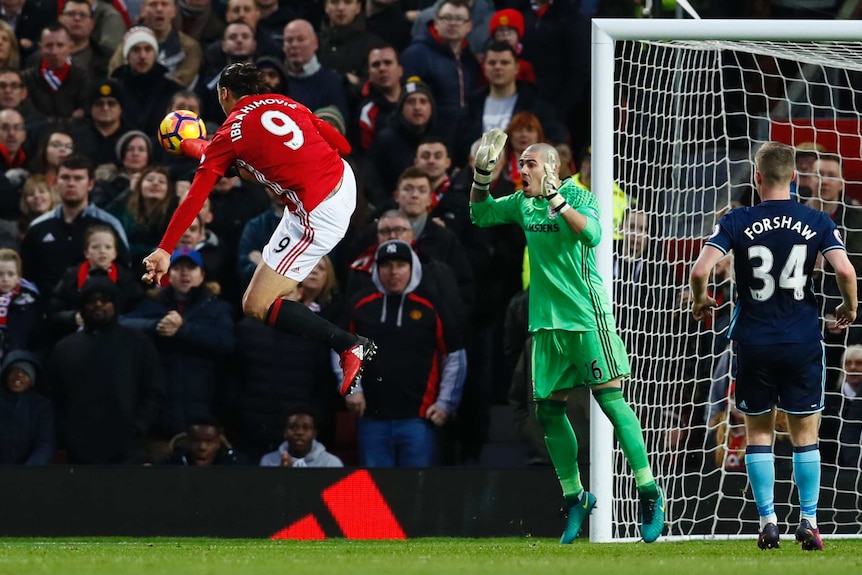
(276, 139)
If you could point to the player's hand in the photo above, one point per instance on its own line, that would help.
(844, 317)
(437, 414)
(194, 147)
(156, 264)
(286, 461)
(488, 155)
(700, 310)
(550, 181)
(356, 403)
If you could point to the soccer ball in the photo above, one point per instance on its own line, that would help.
(177, 126)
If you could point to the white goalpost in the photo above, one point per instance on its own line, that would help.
(679, 108)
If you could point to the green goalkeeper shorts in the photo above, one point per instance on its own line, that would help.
(566, 359)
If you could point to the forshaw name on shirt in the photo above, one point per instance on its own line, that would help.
(779, 222)
(236, 125)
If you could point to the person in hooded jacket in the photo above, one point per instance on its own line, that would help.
(415, 381)
(26, 418)
(300, 447)
(106, 382)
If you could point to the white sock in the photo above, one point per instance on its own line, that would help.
(768, 519)
(812, 520)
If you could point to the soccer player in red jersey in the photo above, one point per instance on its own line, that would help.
(280, 144)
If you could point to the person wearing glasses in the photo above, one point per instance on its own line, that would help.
(443, 60)
(13, 94)
(78, 18)
(53, 149)
(481, 12)
(13, 162)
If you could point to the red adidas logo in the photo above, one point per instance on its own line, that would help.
(359, 509)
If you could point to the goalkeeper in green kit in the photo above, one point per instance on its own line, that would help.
(574, 335)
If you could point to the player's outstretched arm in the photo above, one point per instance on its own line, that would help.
(194, 147)
(701, 302)
(485, 161)
(845, 313)
(157, 262)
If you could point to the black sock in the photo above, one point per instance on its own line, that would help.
(293, 317)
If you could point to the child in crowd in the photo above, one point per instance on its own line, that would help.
(19, 305)
(100, 251)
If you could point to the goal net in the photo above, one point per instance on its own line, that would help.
(687, 116)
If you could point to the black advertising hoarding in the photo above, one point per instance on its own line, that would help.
(254, 502)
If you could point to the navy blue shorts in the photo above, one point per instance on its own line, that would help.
(789, 375)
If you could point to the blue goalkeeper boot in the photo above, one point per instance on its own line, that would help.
(808, 536)
(652, 517)
(575, 516)
(769, 537)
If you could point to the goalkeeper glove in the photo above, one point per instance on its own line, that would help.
(549, 190)
(487, 157)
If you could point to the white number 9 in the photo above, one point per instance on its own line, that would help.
(280, 124)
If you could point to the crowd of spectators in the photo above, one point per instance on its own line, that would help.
(99, 368)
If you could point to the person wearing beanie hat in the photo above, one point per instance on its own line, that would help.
(108, 89)
(27, 423)
(508, 26)
(97, 287)
(415, 85)
(139, 35)
(276, 140)
(395, 146)
(332, 116)
(108, 383)
(145, 80)
(125, 141)
(272, 72)
(179, 53)
(97, 137)
(506, 22)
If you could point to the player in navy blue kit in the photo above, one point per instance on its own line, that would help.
(776, 327)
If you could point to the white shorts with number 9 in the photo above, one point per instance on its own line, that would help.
(299, 242)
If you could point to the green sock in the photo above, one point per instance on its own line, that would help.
(562, 444)
(630, 435)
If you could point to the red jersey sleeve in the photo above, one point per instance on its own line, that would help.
(217, 158)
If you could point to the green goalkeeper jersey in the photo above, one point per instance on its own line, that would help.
(566, 291)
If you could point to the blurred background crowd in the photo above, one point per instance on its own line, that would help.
(99, 368)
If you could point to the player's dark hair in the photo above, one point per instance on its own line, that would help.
(300, 409)
(78, 162)
(55, 27)
(433, 139)
(456, 4)
(99, 229)
(412, 173)
(385, 46)
(204, 420)
(830, 157)
(243, 79)
(182, 94)
(503, 47)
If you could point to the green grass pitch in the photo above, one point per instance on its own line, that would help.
(426, 556)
